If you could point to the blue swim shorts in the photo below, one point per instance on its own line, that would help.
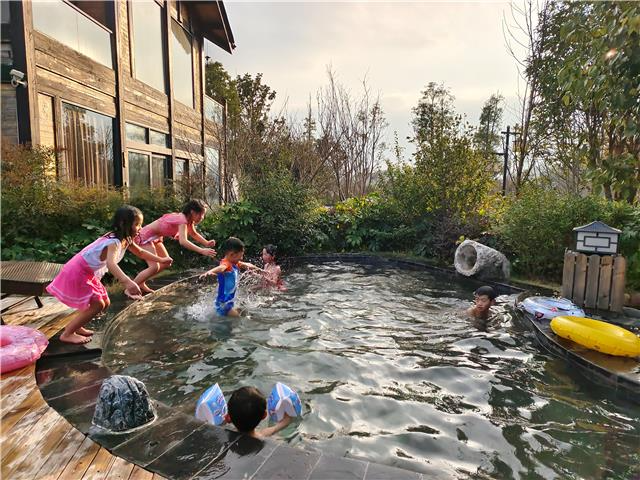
(222, 309)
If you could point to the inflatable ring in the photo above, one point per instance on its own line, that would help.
(548, 307)
(20, 346)
(596, 335)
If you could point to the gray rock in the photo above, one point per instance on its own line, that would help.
(474, 259)
(123, 404)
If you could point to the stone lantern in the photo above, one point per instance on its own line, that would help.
(597, 237)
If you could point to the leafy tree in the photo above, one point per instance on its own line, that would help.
(487, 137)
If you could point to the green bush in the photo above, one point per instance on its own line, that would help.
(537, 226)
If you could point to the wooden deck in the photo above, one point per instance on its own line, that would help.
(36, 442)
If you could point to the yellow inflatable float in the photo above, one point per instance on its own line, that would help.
(597, 335)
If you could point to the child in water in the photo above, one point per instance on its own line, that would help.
(78, 284)
(227, 272)
(484, 299)
(247, 407)
(271, 275)
(179, 226)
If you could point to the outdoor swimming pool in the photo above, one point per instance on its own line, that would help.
(388, 369)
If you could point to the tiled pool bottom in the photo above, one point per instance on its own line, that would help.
(178, 446)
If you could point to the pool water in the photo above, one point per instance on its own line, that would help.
(388, 369)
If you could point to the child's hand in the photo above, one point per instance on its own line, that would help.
(209, 252)
(132, 290)
(167, 260)
(211, 243)
(206, 274)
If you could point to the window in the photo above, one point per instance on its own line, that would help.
(135, 133)
(159, 138)
(212, 179)
(148, 46)
(73, 28)
(182, 64)
(213, 111)
(138, 134)
(139, 174)
(181, 176)
(88, 146)
(159, 171)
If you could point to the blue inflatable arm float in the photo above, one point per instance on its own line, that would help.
(283, 400)
(212, 407)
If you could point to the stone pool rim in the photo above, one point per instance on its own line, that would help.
(264, 459)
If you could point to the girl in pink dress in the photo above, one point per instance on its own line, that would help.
(78, 284)
(178, 226)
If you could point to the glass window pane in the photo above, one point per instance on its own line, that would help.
(88, 143)
(135, 133)
(180, 176)
(159, 171)
(138, 171)
(212, 180)
(93, 41)
(213, 110)
(182, 66)
(196, 179)
(147, 43)
(57, 20)
(61, 21)
(159, 138)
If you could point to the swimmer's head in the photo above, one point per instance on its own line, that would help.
(485, 298)
(247, 407)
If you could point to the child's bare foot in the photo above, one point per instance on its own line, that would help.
(74, 338)
(84, 332)
(145, 288)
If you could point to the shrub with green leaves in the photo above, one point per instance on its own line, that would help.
(537, 227)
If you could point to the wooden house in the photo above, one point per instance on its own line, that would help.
(117, 88)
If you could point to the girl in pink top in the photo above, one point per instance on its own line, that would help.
(78, 284)
(178, 226)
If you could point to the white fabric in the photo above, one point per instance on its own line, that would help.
(93, 252)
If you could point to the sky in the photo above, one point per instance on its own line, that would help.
(398, 46)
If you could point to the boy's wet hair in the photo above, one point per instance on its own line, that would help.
(123, 220)
(194, 205)
(486, 290)
(271, 249)
(232, 244)
(247, 407)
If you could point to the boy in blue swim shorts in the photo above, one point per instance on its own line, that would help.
(227, 272)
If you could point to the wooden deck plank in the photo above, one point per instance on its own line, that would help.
(11, 400)
(33, 404)
(99, 466)
(120, 469)
(139, 473)
(61, 455)
(16, 442)
(36, 450)
(80, 462)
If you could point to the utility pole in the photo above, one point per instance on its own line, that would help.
(508, 133)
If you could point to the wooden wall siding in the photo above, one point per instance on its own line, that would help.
(188, 133)
(196, 50)
(140, 116)
(187, 116)
(66, 62)
(9, 113)
(73, 92)
(123, 34)
(45, 113)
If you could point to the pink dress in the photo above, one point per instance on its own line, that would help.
(78, 283)
(168, 226)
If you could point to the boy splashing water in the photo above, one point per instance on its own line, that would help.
(484, 299)
(227, 272)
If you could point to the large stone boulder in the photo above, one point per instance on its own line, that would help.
(474, 259)
(123, 404)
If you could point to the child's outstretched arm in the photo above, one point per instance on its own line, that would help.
(131, 288)
(213, 271)
(267, 432)
(191, 230)
(249, 266)
(146, 255)
(183, 238)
